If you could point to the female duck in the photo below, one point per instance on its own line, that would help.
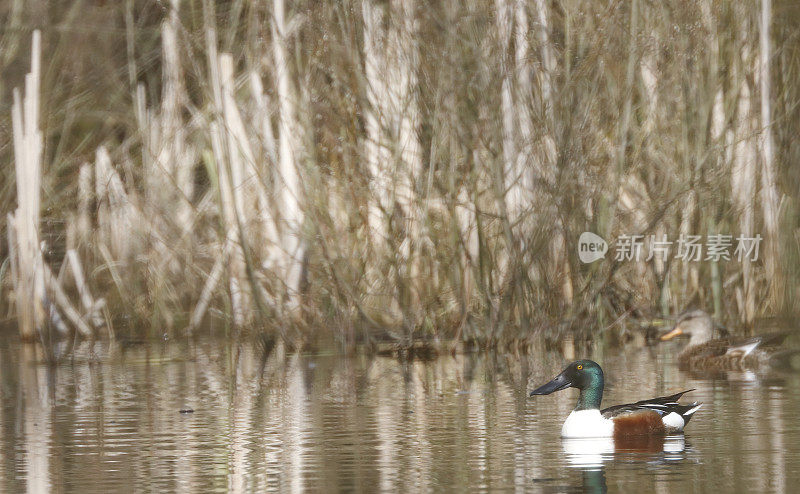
(703, 352)
(661, 416)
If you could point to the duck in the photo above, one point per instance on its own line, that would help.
(656, 416)
(705, 352)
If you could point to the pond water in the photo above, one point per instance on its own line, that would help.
(110, 420)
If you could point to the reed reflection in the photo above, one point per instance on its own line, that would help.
(286, 422)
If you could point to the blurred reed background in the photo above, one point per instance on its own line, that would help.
(372, 171)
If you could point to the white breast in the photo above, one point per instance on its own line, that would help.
(673, 422)
(587, 423)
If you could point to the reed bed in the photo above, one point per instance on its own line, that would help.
(408, 172)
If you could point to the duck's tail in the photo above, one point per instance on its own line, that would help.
(687, 411)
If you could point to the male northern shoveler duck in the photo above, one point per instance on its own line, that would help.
(704, 352)
(663, 415)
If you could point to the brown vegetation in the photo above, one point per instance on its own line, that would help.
(401, 171)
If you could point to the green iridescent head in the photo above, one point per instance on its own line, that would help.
(586, 375)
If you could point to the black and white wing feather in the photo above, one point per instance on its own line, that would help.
(663, 405)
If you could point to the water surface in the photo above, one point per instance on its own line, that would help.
(110, 420)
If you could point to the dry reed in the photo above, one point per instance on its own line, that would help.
(400, 171)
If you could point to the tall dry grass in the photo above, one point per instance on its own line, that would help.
(402, 171)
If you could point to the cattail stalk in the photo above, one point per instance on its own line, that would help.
(29, 283)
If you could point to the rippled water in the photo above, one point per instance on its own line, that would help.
(111, 421)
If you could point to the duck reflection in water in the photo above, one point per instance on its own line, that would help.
(591, 454)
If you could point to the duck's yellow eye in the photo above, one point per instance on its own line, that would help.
(580, 367)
